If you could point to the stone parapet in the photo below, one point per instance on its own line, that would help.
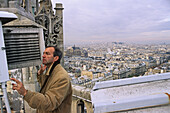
(81, 92)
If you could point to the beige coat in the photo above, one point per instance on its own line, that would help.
(56, 96)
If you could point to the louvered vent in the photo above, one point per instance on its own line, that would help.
(23, 47)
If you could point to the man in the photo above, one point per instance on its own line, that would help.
(56, 92)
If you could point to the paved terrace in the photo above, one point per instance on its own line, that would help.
(145, 94)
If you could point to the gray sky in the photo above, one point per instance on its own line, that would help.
(132, 21)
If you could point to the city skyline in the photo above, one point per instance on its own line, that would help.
(116, 20)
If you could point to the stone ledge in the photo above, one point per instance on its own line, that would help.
(147, 94)
(132, 103)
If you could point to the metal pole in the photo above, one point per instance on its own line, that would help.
(5, 97)
(1, 103)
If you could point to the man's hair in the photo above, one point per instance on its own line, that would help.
(57, 52)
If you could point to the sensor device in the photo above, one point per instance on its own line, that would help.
(4, 18)
(4, 76)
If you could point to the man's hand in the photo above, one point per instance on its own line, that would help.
(19, 87)
(42, 69)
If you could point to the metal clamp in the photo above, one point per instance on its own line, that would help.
(3, 48)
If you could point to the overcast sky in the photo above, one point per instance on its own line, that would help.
(132, 21)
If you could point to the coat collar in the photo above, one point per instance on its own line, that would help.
(51, 69)
(48, 70)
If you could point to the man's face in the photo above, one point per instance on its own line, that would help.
(48, 57)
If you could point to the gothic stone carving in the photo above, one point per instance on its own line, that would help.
(53, 24)
(44, 20)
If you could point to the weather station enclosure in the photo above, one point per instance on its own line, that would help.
(19, 47)
(24, 46)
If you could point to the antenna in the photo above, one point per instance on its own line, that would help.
(5, 17)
